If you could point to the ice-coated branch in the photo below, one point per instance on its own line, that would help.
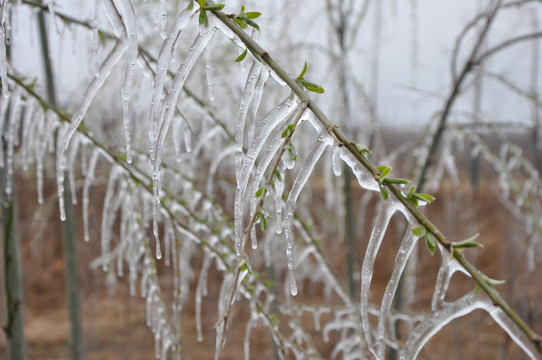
(164, 333)
(261, 54)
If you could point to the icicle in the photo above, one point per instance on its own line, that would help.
(257, 97)
(163, 18)
(176, 136)
(436, 321)
(511, 328)
(246, 99)
(258, 174)
(187, 134)
(51, 8)
(162, 124)
(246, 342)
(46, 128)
(114, 17)
(167, 243)
(113, 57)
(273, 118)
(365, 179)
(308, 165)
(336, 160)
(209, 72)
(30, 139)
(60, 172)
(201, 290)
(407, 246)
(14, 117)
(227, 284)
(71, 171)
(95, 35)
(3, 61)
(367, 269)
(129, 19)
(86, 188)
(108, 215)
(162, 64)
(277, 195)
(206, 140)
(220, 158)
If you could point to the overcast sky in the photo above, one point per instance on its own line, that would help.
(412, 80)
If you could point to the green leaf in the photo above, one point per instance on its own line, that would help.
(243, 265)
(122, 156)
(430, 242)
(44, 105)
(288, 131)
(363, 149)
(240, 22)
(214, 7)
(468, 243)
(396, 181)
(202, 3)
(491, 282)
(303, 72)
(253, 14)
(384, 191)
(424, 197)
(252, 23)
(419, 231)
(190, 6)
(278, 175)
(274, 319)
(261, 192)
(203, 19)
(242, 56)
(384, 171)
(263, 222)
(291, 153)
(101, 34)
(270, 284)
(311, 86)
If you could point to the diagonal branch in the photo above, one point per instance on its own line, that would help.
(262, 55)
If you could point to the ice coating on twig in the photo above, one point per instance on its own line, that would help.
(209, 72)
(435, 321)
(163, 18)
(324, 140)
(447, 268)
(29, 140)
(276, 116)
(3, 59)
(246, 99)
(13, 119)
(163, 120)
(129, 20)
(95, 35)
(379, 229)
(91, 91)
(365, 179)
(162, 64)
(512, 330)
(407, 246)
(51, 8)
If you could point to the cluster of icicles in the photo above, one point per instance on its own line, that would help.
(196, 224)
